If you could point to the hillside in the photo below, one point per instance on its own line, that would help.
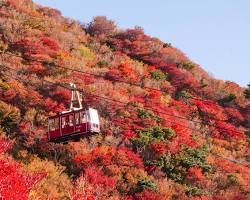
(168, 129)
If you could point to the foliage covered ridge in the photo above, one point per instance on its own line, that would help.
(168, 129)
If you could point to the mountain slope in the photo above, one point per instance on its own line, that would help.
(169, 130)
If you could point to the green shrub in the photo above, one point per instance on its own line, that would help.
(187, 66)
(196, 158)
(142, 114)
(9, 117)
(145, 114)
(232, 178)
(102, 63)
(193, 191)
(175, 166)
(145, 184)
(149, 135)
(184, 94)
(158, 75)
(229, 98)
(172, 168)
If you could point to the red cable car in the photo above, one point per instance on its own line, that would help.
(74, 123)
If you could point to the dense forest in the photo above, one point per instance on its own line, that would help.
(168, 129)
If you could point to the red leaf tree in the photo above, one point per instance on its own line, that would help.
(14, 184)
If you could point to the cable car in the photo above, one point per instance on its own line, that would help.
(74, 123)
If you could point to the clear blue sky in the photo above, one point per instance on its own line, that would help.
(213, 33)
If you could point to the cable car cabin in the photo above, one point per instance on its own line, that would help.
(73, 124)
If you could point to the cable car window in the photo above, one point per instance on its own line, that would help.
(51, 124)
(77, 118)
(71, 120)
(65, 121)
(56, 123)
(88, 116)
(83, 117)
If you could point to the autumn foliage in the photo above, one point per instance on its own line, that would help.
(14, 183)
(168, 129)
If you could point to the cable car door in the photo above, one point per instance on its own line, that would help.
(67, 124)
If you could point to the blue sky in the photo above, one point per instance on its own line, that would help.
(213, 33)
